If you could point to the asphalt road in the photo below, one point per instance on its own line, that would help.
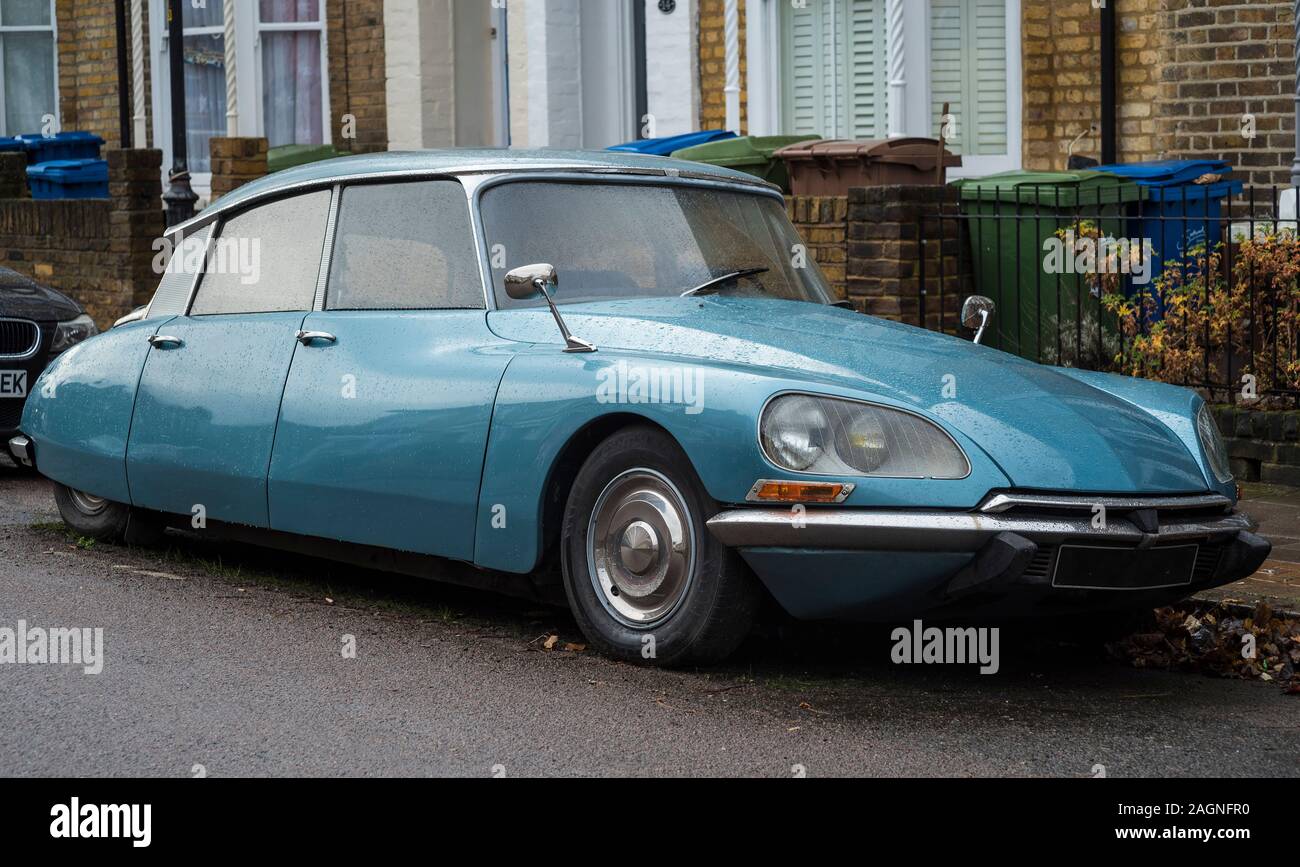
(231, 658)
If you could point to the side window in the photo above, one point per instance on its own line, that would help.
(406, 246)
(267, 259)
(185, 262)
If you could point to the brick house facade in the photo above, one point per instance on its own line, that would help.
(87, 71)
(1188, 71)
(713, 66)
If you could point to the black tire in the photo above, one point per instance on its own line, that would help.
(106, 521)
(712, 612)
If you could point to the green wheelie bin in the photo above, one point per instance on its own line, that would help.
(752, 154)
(1048, 309)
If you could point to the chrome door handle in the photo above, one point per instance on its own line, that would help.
(163, 340)
(306, 338)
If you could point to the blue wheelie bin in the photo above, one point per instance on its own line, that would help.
(1178, 213)
(69, 179)
(13, 144)
(664, 146)
(62, 146)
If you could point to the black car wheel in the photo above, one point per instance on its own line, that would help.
(646, 580)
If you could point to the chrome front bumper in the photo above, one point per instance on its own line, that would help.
(823, 562)
(871, 530)
(1045, 518)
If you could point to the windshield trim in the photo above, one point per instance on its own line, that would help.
(476, 187)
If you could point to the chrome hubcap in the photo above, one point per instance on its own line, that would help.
(87, 504)
(640, 548)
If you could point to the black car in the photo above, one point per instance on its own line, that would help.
(36, 324)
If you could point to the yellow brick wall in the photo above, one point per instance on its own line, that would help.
(358, 77)
(713, 67)
(88, 88)
(87, 55)
(1188, 70)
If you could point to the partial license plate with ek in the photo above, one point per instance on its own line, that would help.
(13, 383)
(1087, 567)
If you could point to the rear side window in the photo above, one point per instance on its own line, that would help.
(267, 259)
(405, 246)
(185, 262)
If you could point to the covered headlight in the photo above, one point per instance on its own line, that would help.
(70, 333)
(794, 433)
(1216, 453)
(831, 436)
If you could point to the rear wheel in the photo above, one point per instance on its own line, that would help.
(646, 580)
(104, 520)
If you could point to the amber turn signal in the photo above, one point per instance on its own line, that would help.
(766, 491)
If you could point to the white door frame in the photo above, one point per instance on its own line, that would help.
(763, 55)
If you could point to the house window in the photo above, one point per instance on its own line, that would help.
(835, 69)
(205, 81)
(27, 57)
(968, 70)
(291, 34)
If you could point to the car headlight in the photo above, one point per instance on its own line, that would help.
(1216, 453)
(829, 436)
(72, 332)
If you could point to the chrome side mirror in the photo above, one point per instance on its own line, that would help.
(976, 313)
(525, 282)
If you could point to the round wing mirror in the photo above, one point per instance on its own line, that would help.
(976, 313)
(526, 281)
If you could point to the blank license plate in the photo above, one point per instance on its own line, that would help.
(1095, 568)
(13, 383)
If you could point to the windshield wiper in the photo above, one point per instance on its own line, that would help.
(718, 282)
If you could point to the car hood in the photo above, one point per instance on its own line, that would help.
(1044, 428)
(24, 298)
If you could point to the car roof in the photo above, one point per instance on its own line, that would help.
(461, 161)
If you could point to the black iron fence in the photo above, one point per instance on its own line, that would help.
(1199, 286)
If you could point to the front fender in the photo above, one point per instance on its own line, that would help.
(78, 414)
(547, 397)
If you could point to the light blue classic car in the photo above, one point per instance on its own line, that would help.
(620, 377)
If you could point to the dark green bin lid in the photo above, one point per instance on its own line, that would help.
(744, 150)
(287, 156)
(1050, 190)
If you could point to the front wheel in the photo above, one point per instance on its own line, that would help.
(646, 580)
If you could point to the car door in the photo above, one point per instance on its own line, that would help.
(385, 416)
(209, 394)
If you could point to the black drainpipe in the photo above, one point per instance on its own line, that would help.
(639, 67)
(123, 75)
(1108, 88)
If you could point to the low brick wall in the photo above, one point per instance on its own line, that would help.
(888, 229)
(822, 222)
(235, 162)
(1263, 445)
(97, 251)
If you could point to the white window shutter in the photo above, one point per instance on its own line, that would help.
(867, 69)
(989, 76)
(835, 68)
(805, 49)
(968, 70)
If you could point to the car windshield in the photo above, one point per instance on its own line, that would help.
(614, 241)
